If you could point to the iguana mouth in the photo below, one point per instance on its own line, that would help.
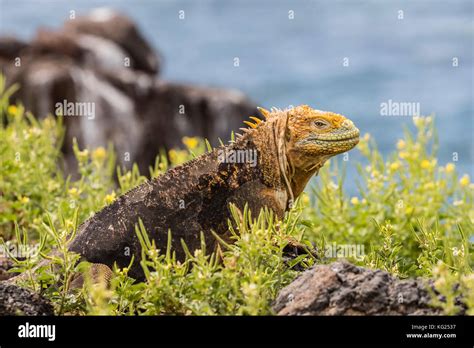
(343, 140)
(346, 136)
(349, 137)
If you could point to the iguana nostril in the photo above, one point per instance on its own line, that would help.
(347, 124)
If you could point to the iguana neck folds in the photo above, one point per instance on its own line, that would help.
(293, 144)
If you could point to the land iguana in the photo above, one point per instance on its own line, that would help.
(268, 165)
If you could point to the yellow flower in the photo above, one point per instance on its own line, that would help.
(425, 164)
(394, 166)
(374, 173)
(409, 210)
(403, 155)
(73, 191)
(440, 283)
(418, 121)
(24, 199)
(52, 185)
(468, 278)
(354, 200)
(190, 142)
(109, 198)
(305, 199)
(401, 144)
(34, 131)
(250, 289)
(457, 252)
(83, 155)
(429, 186)
(173, 155)
(450, 167)
(465, 180)
(12, 109)
(48, 122)
(99, 154)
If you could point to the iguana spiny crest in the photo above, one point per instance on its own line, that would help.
(303, 139)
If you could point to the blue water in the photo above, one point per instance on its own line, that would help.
(288, 62)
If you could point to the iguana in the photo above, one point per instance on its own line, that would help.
(268, 165)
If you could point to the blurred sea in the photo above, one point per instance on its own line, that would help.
(294, 61)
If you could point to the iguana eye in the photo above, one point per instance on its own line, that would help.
(320, 124)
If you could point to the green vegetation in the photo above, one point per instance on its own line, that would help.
(413, 217)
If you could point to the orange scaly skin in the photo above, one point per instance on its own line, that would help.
(309, 138)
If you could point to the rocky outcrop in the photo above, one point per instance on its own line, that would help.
(104, 26)
(103, 60)
(344, 289)
(15, 300)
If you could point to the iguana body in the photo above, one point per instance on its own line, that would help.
(290, 147)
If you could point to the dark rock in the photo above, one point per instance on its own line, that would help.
(11, 47)
(15, 300)
(294, 249)
(344, 289)
(206, 112)
(48, 43)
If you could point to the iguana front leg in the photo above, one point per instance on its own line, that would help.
(258, 195)
(97, 273)
(276, 200)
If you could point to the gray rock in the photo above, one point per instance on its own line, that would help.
(117, 29)
(344, 289)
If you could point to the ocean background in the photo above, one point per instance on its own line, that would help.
(300, 61)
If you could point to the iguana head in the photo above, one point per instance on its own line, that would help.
(304, 138)
(312, 136)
